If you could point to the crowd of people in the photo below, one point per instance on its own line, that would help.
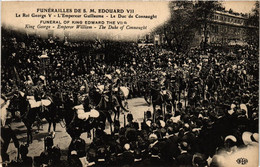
(214, 98)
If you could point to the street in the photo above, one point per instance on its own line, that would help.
(137, 106)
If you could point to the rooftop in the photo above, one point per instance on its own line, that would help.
(233, 14)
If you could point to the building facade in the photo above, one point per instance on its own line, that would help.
(225, 28)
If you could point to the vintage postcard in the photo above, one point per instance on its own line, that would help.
(130, 83)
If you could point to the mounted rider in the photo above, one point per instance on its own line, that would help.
(83, 98)
(85, 109)
(164, 83)
(36, 92)
(40, 89)
(83, 93)
(10, 96)
(155, 85)
(37, 97)
(108, 90)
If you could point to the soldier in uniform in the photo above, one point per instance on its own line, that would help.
(51, 154)
(6, 135)
(40, 89)
(108, 89)
(83, 93)
(25, 160)
(77, 144)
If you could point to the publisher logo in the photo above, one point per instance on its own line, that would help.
(242, 161)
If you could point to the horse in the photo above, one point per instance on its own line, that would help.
(76, 117)
(104, 105)
(119, 100)
(146, 92)
(161, 98)
(30, 109)
(114, 102)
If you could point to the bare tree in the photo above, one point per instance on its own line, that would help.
(187, 17)
(204, 12)
(180, 30)
(252, 32)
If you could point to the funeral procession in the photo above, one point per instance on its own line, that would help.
(184, 94)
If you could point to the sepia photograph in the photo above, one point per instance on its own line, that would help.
(129, 83)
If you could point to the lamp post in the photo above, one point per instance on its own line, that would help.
(45, 61)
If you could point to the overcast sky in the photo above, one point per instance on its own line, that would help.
(239, 6)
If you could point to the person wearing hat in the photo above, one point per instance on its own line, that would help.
(46, 155)
(127, 157)
(116, 127)
(179, 109)
(153, 139)
(241, 122)
(108, 90)
(40, 89)
(131, 123)
(83, 93)
(209, 138)
(230, 145)
(148, 115)
(254, 126)
(101, 156)
(7, 134)
(185, 158)
(74, 159)
(77, 144)
(25, 160)
(171, 148)
(250, 138)
(138, 159)
(91, 156)
(154, 159)
(169, 111)
(112, 160)
(199, 160)
(131, 134)
(55, 157)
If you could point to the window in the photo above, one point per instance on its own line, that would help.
(216, 29)
(212, 28)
